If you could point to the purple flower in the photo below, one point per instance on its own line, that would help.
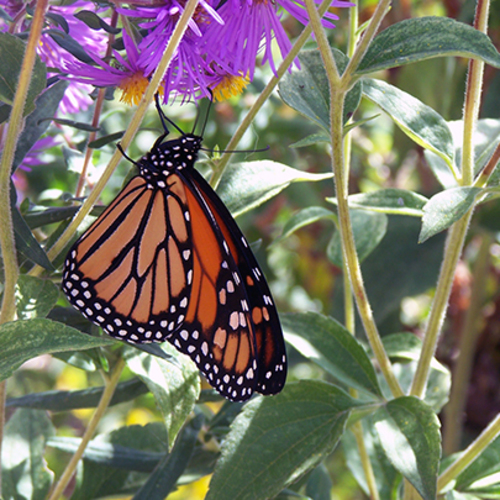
(129, 73)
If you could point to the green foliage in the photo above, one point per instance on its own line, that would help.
(283, 443)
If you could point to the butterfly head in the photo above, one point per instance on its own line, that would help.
(171, 156)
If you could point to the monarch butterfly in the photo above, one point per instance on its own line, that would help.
(167, 261)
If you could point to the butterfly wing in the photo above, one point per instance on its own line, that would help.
(131, 272)
(258, 313)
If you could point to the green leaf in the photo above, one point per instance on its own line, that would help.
(11, 57)
(418, 121)
(35, 297)
(310, 140)
(369, 228)
(319, 485)
(445, 208)
(93, 21)
(305, 217)
(328, 344)
(104, 140)
(387, 478)
(409, 433)
(23, 340)
(36, 123)
(275, 440)
(165, 476)
(307, 90)
(26, 243)
(485, 466)
(109, 458)
(244, 186)
(455, 495)
(485, 139)
(175, 388)
(399, 267)
(389, 201)
(73, 400)
(414, 40)
(438, 386)
(24, 471)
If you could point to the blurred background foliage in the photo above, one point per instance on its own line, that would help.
(399, 274)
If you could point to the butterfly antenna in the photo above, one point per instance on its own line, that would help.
(164, 118)
(125, 155)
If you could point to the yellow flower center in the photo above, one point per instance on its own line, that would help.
(229, 86)
(133, 88)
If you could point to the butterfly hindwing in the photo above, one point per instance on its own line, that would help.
(261, 313)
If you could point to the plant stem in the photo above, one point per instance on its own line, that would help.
(107, 394)
(453, 411)
(458, 232)
(135, 123)
(264, 96)
(470, 453)
(7, 242)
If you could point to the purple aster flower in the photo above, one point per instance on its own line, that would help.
(129, 75)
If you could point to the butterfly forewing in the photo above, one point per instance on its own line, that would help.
(129, 272)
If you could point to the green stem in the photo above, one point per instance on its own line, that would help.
(458, 231)
(470, 453)
(107, 394)
(135, 123)
(264, 96)
(7, 242)
(364, 43)
(337, 96)
(470, 330)
(453, 250)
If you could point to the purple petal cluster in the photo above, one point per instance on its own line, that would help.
(217, 54)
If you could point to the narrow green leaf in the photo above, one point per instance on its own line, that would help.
(418, 121)
(445, 208)
(24, 471)
(73, 400)
(23, 340)
(164, 478)
(390, 201)
(175, 388)
(36, 125)
(103, 141)
(307, 90)
(76, 125)
(455, 495)
(26, 243)
(244, 186)
(305, 217)
(275, 440)
(35, 297)
(409, 433)
(93, 21)
(11, 57)
(327, 343)
(414, 40)
(369, 228)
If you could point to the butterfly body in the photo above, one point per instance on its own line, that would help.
(166, 261)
